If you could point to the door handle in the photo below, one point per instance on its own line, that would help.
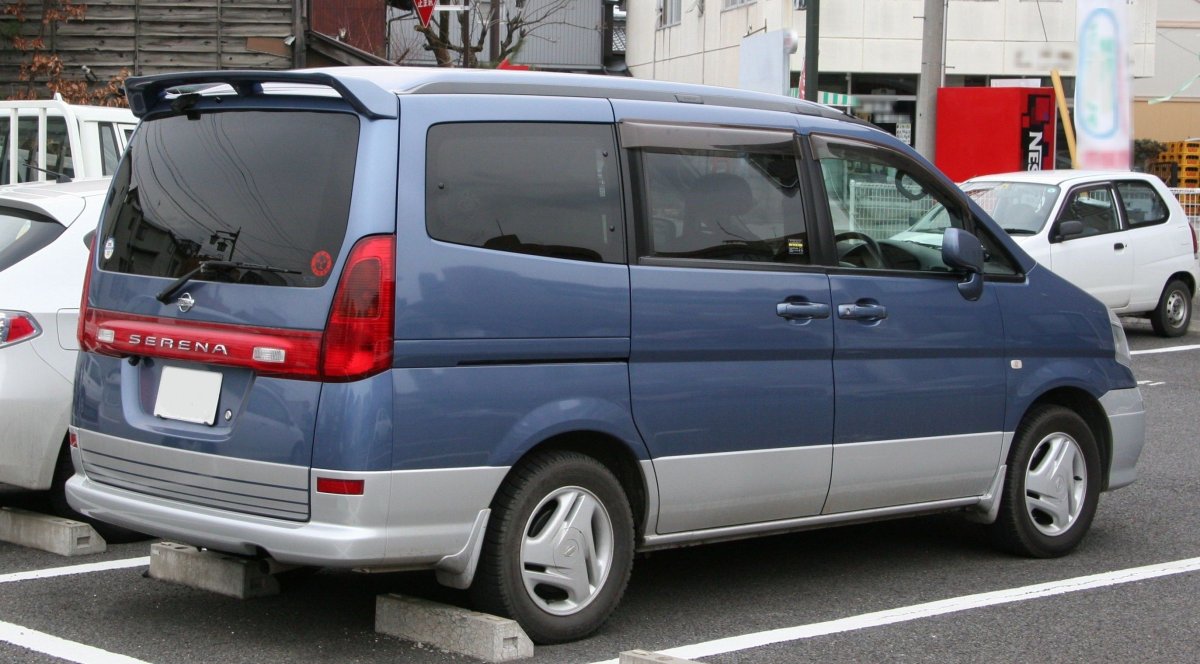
(1118, 246)
(862, 311)
(801, 310)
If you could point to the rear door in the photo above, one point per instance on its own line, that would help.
(215, 266)
(730, 369)
(919, 369)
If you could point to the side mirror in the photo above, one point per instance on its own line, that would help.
(1068, 229)
(962, 251)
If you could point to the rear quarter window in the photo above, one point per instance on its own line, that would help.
(1143, 206)
(547, 189)
(23, 233)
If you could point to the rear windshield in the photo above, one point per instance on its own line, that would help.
(22, 233)
(253, 187)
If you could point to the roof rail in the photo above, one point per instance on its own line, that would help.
(147, 92)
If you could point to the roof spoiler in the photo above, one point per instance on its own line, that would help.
(145, 93)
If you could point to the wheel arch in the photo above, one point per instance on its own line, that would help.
(1186, 277)
(1088, 407)
(615, 455)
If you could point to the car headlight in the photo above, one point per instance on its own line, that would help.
(1119, 341)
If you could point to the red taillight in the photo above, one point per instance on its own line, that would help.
(340, 487)
(356, 342)
(73, 438)
(87, 282)
(358, 337)
(1195, 245)
(17, 326)
(268, 351)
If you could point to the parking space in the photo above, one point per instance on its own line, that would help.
(110, 611)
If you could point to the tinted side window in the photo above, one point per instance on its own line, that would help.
(718, 205)
(1142, 204)
(532, 188)
(888, 213)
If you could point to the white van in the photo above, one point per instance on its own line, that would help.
(53, 140)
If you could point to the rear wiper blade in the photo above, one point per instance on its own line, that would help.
(206, 266)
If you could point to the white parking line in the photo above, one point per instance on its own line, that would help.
(60, 648)
(52, 645)
(930, 609)
(75, 569)
(1170, 349)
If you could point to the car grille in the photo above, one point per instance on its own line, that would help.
(237, 485)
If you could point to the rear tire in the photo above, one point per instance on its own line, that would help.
(558, 549)
(1174, 311)
(64, 468)
(1052, 485)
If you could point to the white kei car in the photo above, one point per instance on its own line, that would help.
(1121, 236)
(44, 234)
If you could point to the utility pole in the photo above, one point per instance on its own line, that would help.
(932, 66)
(812, 39)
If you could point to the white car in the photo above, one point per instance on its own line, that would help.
(1121, 236)
(44, 234)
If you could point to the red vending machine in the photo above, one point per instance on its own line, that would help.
(981, 131)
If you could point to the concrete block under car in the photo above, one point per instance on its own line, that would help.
(66, 537)
(232, 576)
(486, 637)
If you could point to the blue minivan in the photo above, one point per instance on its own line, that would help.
(515, 327)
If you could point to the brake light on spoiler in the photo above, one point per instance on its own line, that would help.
(356, 341)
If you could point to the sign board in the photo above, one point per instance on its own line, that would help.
(763, 60)
(1103, 102)
(424, 9)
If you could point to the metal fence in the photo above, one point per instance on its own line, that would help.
(878, 209)
(1190, 200)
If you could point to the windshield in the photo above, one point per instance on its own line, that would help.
(248, 187)
(1021, 208)
(22, 233)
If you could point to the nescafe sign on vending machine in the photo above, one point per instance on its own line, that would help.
(994, 130)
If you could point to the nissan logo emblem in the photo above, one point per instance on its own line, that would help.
(185, 302)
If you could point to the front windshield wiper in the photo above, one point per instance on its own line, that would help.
(1019, 231)
(206, 266)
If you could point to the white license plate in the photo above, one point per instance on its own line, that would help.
(188, 395)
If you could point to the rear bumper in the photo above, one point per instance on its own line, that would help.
(404, 519)
(1127, 422)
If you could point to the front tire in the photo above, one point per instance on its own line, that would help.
(559, 548)
(1052, 486)
(1174, 311)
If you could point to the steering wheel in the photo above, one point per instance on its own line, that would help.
(868, 241)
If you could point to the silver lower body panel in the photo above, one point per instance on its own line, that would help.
(1127, 421)
(408, 519)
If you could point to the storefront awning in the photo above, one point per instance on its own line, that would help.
(830, 98)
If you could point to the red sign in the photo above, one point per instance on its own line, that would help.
(424, 10)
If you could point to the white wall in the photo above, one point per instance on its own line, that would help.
(1177, 42)
(984, 37)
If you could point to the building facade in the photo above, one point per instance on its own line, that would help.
(870, 50)
(1166, 106)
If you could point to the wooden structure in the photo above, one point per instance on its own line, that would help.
(160, 36)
